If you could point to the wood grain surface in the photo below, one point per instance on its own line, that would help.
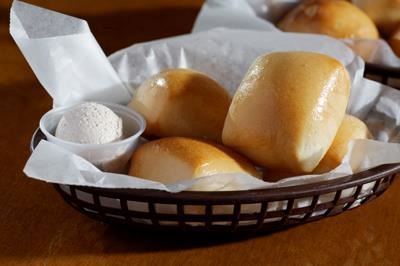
(38, 228)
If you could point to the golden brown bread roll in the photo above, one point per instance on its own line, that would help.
(351, 128)
(287, 110)
(335, 18)
(394, 42)
(174, 159)
(182, 102)
(385, 13)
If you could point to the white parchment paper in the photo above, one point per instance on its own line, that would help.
(262, 14)
(225, 55)
(65, 57)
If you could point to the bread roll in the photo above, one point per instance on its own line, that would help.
(287, 110)
(335, 18)
(174, 159)
(394, 42)
(182, 102)
(385, 13)
(351, 128)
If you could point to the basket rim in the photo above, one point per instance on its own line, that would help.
(378, 69)
(282, 193)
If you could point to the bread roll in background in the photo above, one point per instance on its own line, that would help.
(336, 18)
(385, 13)
(394, 42)
(182, 102)
(287, 110)
(174, 159)
(351, 128)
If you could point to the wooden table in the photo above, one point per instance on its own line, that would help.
(38, 228)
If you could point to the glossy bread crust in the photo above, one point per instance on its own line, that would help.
(351, 128)
(287, 110)
(174, 159)
(182, 102)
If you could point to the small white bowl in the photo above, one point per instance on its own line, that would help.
(109, 157)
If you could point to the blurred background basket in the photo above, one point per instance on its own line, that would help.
(236, 211)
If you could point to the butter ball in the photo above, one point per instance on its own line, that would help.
(90, 123)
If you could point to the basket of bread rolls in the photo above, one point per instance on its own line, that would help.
(286, 118)
(371, 28)
(219, 131)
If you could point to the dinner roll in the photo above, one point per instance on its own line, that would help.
(287, 110)
(385, 13)
(335, 18)
(174, 159)
(182, 102)
(394, 42)
(351, 128)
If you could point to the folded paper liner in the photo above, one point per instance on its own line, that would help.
(262, 14)
(223, 54)
(65, 56)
